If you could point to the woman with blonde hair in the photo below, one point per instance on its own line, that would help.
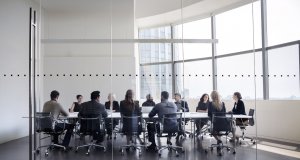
(216, 107)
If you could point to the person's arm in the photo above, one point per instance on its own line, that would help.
(72, 107)
(153, 112)
(117, 107)
(209, 111)
(186, 107)
(242, 108)
(104, 113)
(62, 111)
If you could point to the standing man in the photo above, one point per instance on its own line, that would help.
(164, 107)
(93, 109)
(56, 109)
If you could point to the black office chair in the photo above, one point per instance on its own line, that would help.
(45, 124)
(221, 125)
(245, 123)
(132, 126)
(170, 125)
(92, 126)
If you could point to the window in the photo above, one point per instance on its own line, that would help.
(154, 79)
(155, 52)
(197, 78)
(200, 29)
(284, 73)
(283, 21)
(236, 73)
(234, 29)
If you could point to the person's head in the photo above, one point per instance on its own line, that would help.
(177, 96)
(164, 95)
(216, 100)
(204, 98)
(149, 97)
(95, 95)
(129, 95)
(237, 96)
(111, 97)
(79, 98)
(54, 95)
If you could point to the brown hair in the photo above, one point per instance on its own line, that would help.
(238, 95)
(129, 103)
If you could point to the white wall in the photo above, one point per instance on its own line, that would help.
(14, 52)
(89, 57)
(276, 119)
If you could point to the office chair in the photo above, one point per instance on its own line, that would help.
(221, 125)
(92, 126)
(169, 125)
(131, 127)
(44, 123)
(244, 124)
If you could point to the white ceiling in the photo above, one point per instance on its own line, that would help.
(154, 12)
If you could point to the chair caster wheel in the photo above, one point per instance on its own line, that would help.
(159, 154)
(254, 142)
(177, 155)
(46, 154)
(234, 152)
(37, 151)
(228, 149)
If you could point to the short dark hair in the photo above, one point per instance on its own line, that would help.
(78, 96)
(54, 94)
(95, 95)
(177, 94)
(238, 95)
(165, 94)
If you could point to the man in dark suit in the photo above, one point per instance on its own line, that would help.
(92, 109)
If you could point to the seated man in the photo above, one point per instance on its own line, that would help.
(56, 109)
(182, 106)
(92, 109)
(149, 101)
(164, 107)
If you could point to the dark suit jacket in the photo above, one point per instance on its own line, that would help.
(182, 105)
(148, 103)
(92, 108)
(115, 106)
(130, 125)
(239, 108)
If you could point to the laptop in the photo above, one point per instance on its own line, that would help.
(146, 109)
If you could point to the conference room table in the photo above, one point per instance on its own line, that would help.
(188, 115)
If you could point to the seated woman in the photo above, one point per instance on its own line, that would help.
(129, 108)
(76, 105)
(202, 107)
(216, 107)
(111, 105)
(238, 108)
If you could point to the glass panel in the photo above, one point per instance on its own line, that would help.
(234, 29)
(283, 26)
(200, 29)
(155, 52)
(236, 74)
(284, 73)
(154, 79)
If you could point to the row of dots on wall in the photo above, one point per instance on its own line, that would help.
(145, 75)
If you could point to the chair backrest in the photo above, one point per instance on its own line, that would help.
(43, 122)
(221, 123)
(131, 124)
(251, 120)
(90, 124)
(170, 123)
